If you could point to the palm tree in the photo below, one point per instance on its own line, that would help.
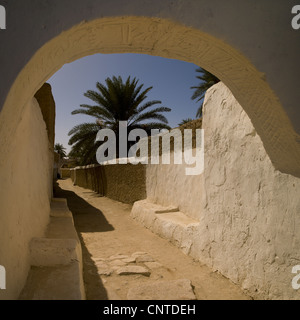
(83, 140)
(207, 81)
(184, 121)
(115, 101)
(60, 149)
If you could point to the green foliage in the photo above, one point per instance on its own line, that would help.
(184, 121)
(114, 101)
(207, 80)
(83, 143)
(60, 149)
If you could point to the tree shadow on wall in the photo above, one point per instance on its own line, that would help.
(87, 218)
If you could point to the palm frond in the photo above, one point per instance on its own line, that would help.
(115, 100)
(207, 80)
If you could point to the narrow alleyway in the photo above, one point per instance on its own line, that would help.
(123, 260)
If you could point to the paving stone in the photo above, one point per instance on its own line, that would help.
(129, 260)
(118, 257)
(105, 271)
(163, 290)
(153, 265)
(103, 268)
(144, 258)
(128, 270)
(115, 268)
(138, 253)
(101, 264)
(98, 259)
(117, 263)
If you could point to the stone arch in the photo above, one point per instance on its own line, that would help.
(167, 39)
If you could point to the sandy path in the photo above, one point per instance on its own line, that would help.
(106, 229)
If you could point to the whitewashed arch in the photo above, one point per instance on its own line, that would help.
(161, 37)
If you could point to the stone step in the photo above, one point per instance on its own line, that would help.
(56, 259)
(178, 218)
(173, 225)
(52, 252)
(61, 282)
(61, 228)
(59, 208)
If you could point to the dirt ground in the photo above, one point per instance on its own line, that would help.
(112, 240)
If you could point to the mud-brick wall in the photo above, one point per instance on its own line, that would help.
(65, 173)
(125, 183)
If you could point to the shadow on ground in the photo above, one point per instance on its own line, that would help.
(82, 212)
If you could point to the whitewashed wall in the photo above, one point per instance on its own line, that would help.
(26, 188)
(248, 213)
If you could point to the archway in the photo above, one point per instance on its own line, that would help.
(167, 39)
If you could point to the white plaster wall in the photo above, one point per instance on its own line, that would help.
(249, 213)
(168, 185)
(25, 181)
(250, 219)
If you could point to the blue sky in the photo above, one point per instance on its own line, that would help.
(171, 81)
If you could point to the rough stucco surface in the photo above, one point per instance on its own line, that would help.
(248, 213)
(168, 185)
(175, 189)
(25, 178)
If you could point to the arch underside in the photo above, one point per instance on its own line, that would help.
(167, 39)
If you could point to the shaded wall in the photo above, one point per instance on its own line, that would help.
(26, 190)
(46, 102)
